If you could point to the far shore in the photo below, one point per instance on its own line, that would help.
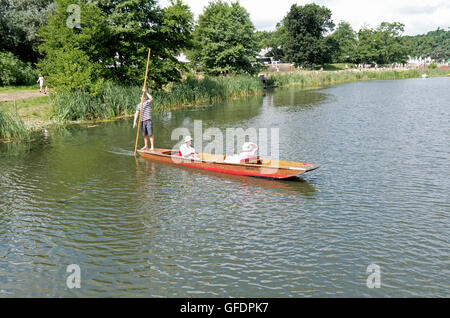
(35, 110)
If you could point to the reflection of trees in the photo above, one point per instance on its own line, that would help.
(299, 98)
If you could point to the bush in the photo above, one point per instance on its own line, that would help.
(70, 69)
(15, 72)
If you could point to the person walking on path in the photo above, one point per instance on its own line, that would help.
(146, 120)
(41, 81)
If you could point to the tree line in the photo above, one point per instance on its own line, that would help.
(81, 44)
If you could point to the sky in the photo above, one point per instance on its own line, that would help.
(418, 16)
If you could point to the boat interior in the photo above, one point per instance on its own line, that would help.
(216, 158)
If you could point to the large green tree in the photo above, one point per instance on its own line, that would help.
(305, 41)
(20, 21)
(225, 40)
(346, 39)
(383, 45)
(115, 35)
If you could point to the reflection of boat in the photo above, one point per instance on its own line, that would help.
(271, 169)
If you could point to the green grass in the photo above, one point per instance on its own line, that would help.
(32, 109)
(321, 79)
(15, 89)
(12, 128)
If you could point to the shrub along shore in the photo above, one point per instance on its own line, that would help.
(116, 101)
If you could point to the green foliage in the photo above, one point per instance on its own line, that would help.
(114, 100)
(115, 36)
(20, 21)
(70, 69)
(346, 40)
(225, 40)
(321, 79)
(12, 128)
(435, 44)
(15, 72)
(305, 42)
(383, 45)
(275, 41)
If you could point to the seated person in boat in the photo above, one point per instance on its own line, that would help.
(248, 154)
(186, 149)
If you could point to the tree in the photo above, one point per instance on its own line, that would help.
(435, 44)
(392, 46)
(115, 36)
(275, 42)
(383, 45)
(346, 40)
(20, 21)
(224, 40)
(68, 48)
(304, 41)
(367, 48)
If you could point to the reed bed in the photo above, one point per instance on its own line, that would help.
(115, 101)
(12, 128)
(320, 79)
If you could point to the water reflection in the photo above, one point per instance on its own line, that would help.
(293, 98)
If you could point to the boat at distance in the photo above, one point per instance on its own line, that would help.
(261, 168)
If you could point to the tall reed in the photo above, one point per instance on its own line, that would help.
(12, 128)
(115, 100)
(318, 79)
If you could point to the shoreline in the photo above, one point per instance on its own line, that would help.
(307, 80)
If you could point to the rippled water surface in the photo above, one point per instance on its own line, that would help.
(140, 228)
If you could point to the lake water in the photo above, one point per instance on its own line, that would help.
(146, 229)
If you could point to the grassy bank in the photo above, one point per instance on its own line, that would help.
(313, 79)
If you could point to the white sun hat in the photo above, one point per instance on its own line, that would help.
(187, 139)
(248, 146)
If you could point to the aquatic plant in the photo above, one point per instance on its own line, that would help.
(115, 100)
(12, 128)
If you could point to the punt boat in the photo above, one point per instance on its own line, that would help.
(261, 168)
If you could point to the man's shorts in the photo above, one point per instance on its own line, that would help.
(147, 128)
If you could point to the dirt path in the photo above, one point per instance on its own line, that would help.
(8, 97)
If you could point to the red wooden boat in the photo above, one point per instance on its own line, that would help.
(262, 168)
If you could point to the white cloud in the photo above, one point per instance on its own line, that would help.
(419, 16)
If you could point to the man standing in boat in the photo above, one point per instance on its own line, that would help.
(146, 120)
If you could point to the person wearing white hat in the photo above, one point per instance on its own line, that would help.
(186, 149)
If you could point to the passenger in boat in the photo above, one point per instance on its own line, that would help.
(248, 153)
(146, 120)
(186, 149)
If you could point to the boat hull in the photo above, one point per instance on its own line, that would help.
(270, 169)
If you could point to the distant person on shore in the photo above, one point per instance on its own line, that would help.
(41, 81)
(186, 149)
(146, 119)
(263, 79)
